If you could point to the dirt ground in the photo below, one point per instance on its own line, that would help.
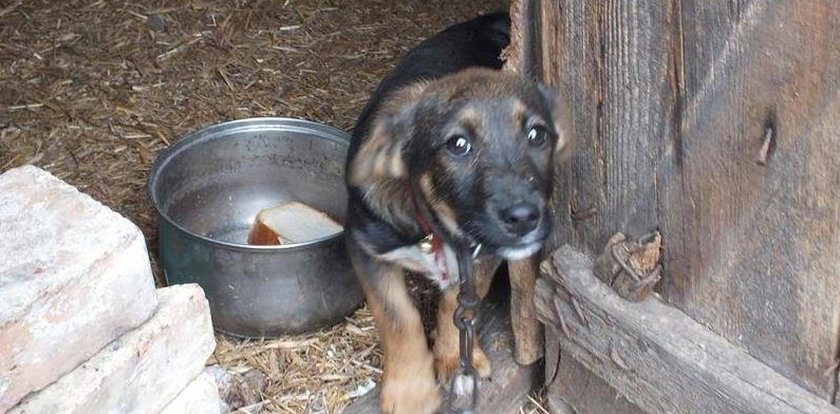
(91, 90)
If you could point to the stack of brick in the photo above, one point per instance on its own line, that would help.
(82, 328)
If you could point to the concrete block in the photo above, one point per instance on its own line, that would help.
(200, 397)
(142, 371)
(74, 276)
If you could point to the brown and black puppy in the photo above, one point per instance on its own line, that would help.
(449, 148)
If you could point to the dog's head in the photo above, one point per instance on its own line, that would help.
(479, 145)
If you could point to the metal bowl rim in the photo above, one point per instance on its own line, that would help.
(214, 130)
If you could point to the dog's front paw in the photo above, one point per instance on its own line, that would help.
(410, 393)
(447, 363)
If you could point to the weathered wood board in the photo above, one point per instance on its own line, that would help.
(655, 355)
(714, 121)
(510, 382)
(614, 59)
(750, 192)
(527, 330)
(521, 58)
(572, 389)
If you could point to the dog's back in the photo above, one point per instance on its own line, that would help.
(477, 42)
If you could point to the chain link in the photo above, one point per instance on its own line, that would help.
(465, 319)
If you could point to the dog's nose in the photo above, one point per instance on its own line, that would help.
(520, 219)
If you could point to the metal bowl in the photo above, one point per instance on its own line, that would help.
(207, 190)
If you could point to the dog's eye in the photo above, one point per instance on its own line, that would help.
(537, 136)
(458, 145)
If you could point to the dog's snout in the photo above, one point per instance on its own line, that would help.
(521, 218)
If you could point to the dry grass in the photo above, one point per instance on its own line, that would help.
(319, 372)
(91, 90)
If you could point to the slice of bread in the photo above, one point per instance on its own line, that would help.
(291, 223)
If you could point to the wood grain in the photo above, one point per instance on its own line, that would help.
(527, 330)
(752, 248)
(655, 355)
(572, 389)
(522, 57)
(672, 105)
(614, 59)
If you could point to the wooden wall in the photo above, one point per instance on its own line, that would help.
(716, 122)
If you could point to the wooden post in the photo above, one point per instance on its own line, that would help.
(527, 331)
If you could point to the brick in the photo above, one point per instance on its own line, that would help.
(74, 276)
(142, 371)
(200, 397)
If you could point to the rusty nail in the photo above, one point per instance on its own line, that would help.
(653, 274)
(579, 311)
(618, 359)
(577, 214)
(563, 326)
(584, 214)
(648, 280)
(616, 254)
(767, 146)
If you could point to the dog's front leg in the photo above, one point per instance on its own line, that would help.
(408, 381)
(447, 349)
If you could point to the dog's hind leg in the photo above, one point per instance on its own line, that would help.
(408, 381)
(447, 349)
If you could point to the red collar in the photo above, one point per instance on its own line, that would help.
(431, 243)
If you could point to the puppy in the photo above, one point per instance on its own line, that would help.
(448, 148)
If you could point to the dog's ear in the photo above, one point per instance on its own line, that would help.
(381, 155)
(562, 121)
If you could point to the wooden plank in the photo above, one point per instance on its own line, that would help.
(751, 212)
(658, 357)
(523, 54)
(527, 331)
(510, 383)
(572, 389)
(615, 60)
(720, 212)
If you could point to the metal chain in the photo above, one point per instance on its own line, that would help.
(466, 314)
(465, 319)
